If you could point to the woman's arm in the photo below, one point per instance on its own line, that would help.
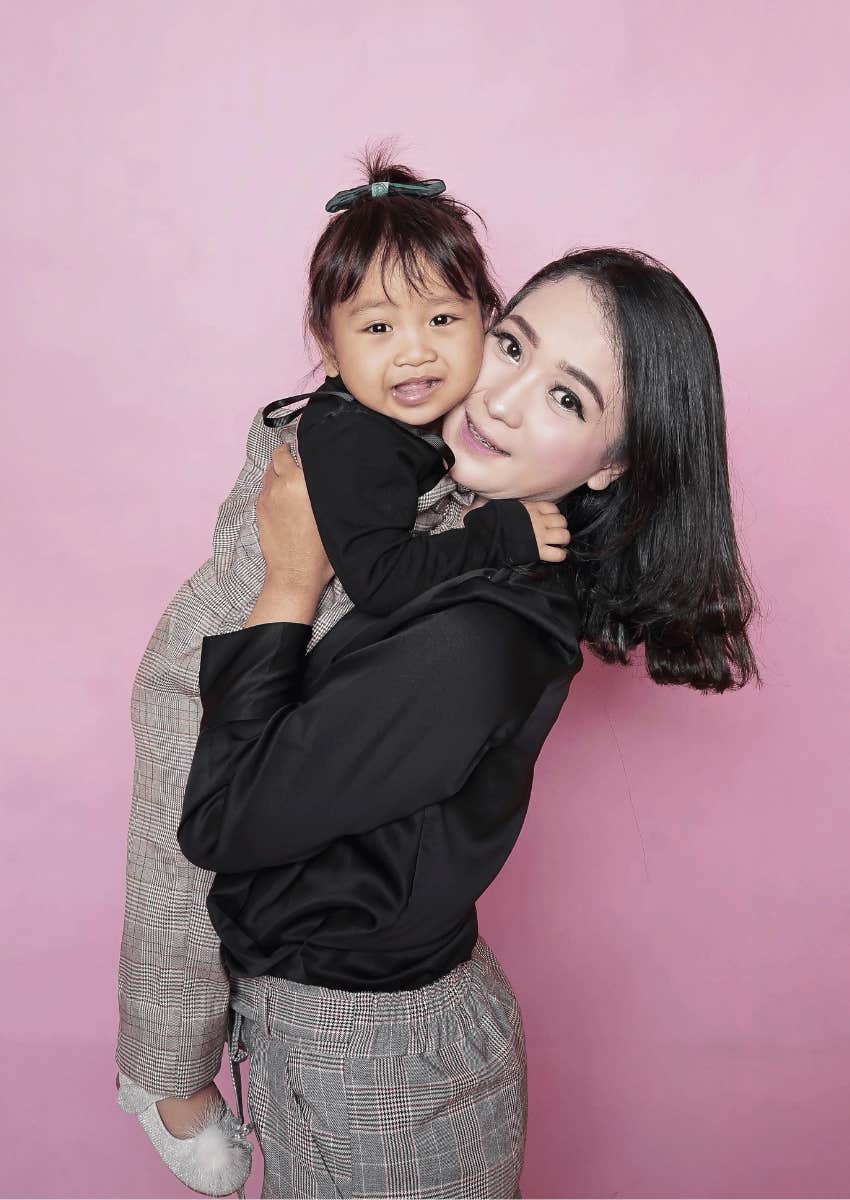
(277, 601)
(297, 567)
(393, 727)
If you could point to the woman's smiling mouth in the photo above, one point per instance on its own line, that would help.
(472, 437)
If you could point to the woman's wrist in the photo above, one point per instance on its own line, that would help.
(283, 600)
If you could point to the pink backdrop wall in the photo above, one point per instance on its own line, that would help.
(675, 917)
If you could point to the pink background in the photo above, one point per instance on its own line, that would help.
(675, 917)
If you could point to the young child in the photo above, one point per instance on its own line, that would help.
(400, 298)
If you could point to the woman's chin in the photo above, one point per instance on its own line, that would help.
(484, 473)
(463, 482)
(475, 478)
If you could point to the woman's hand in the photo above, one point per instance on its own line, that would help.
(297, 568)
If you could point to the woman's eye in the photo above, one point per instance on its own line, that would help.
(377, 327)
(443, 319)
(508, 345)
(568, 400)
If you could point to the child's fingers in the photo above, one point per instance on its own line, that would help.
(557, 537)
(552, 554)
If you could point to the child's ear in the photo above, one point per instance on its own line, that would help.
(329, 362)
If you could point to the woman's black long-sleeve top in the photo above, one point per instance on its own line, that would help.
(354, 803)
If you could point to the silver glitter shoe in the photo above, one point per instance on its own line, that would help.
(215, 1159)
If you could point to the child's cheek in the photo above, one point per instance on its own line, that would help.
(473, 362)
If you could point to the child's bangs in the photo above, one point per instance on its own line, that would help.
(419, 262)
(415, 259)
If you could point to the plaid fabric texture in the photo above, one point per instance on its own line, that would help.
(394, 1094)
(173, 990)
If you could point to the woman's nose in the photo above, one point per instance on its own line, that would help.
(504, 402)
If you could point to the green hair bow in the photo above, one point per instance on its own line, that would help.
(428, 187)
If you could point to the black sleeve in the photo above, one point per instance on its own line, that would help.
(393, 727)
(361, 476)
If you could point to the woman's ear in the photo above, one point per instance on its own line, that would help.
(606, 475)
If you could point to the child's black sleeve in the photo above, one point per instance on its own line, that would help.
(362, 478)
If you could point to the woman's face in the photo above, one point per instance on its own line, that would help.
(547, 401)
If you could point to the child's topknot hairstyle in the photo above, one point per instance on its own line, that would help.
(413, 231)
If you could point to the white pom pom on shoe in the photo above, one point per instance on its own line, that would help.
(215, 1159)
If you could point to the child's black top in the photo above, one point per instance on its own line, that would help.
(364, 472)
(357, 800)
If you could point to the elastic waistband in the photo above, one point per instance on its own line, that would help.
(369, 1023)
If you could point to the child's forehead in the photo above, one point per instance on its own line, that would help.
(390, 281)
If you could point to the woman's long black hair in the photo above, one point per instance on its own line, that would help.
(655, 555)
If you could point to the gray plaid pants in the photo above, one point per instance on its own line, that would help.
(173, 989)
(386, 1094)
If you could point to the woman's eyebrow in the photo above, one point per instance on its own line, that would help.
(580, 375)
(564, 366)
(525, 327)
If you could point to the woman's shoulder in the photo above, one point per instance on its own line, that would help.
(505, 613)
(489, 627)
(494, 602)
(496, 637)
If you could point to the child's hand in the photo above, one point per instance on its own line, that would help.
(550, 529)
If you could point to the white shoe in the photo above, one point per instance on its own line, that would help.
(215, 1159)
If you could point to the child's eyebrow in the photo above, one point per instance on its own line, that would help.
(442, 298)
(362, 307)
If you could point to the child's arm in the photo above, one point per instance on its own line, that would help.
(361, 476)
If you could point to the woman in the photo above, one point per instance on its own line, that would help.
(355, 804)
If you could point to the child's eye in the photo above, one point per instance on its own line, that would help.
(568, 401)
(508, 344)
(443, 319)
(377, 327)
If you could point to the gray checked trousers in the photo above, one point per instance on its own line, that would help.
(408, 1094)
(173, 990)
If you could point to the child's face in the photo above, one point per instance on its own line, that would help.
(410, 356)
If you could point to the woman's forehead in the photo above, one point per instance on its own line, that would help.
(568, 324)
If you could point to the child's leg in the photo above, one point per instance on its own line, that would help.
(173, 991)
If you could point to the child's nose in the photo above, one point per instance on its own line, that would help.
(414, 351)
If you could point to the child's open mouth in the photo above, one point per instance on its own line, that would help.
(414, 391)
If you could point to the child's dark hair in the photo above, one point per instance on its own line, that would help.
(654, 555)
(416, 232)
